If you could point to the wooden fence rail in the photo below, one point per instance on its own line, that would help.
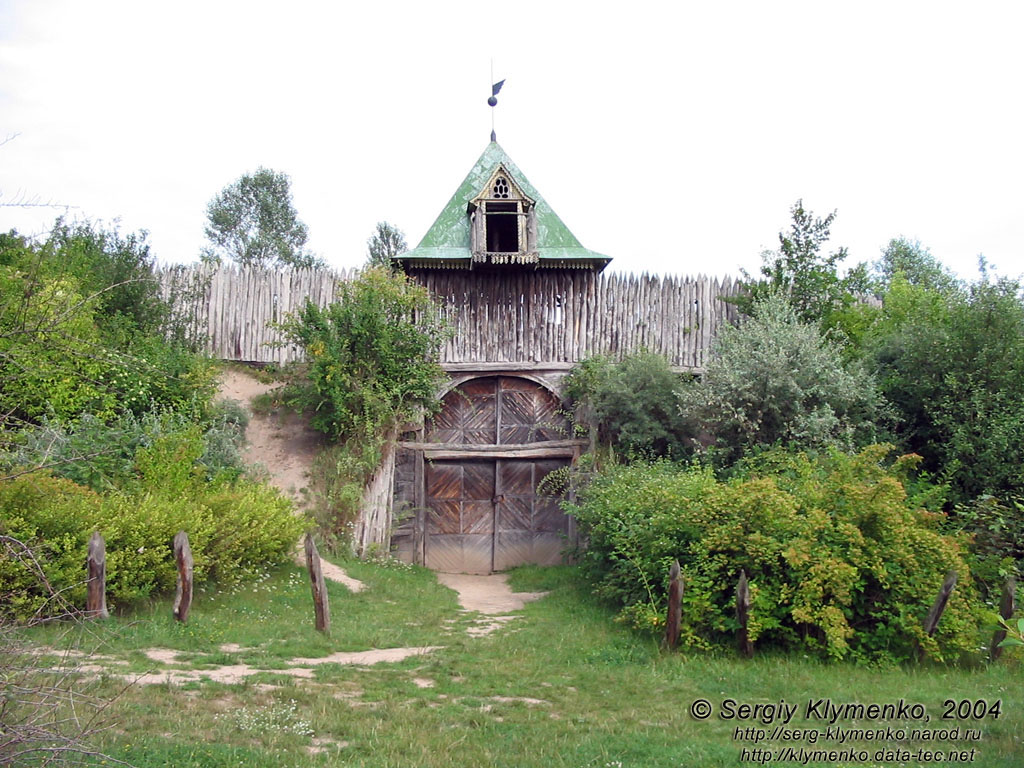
(533, 317)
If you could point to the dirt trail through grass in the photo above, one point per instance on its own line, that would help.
(489, 595)
(284, 445)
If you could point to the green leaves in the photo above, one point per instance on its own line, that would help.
(841, 563)
(372, 354)
(634, 404)
(802, 272)
(1017, 634)
(254, 223)
(776, 379)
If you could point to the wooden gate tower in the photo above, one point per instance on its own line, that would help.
(466, 490)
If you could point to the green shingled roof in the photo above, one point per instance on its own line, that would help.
(448, 237)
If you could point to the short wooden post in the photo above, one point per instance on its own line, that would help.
(675, 608)
(96, 562)
(316, 578)
(743, 615)
(183, 557)
(931, 621)
(1006, 608)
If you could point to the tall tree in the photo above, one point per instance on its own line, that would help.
(254, 223)
(803, 272)
(386, 243)
(916, 264)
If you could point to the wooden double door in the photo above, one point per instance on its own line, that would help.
(487, 515)
(491, 445)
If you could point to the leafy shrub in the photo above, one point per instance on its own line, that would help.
(234, 526)
(117, 269)
(372, 355)
(51, 357)
(839, 560)
(774, 379)
(997, 531)
(102, 455)
(952, 363)
(372, 365)
(81, 331)
(634, 404)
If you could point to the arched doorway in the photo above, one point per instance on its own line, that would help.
(486, 453)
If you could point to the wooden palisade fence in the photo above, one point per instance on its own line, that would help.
(540, 316)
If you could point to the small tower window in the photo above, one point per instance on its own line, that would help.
(502, 227)
(502, 223)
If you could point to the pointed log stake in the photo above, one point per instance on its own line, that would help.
(743, 615)
(96, 562)
(316, 577)
(1006, 608)
(675, 608)
(183, 557)
(932, 620)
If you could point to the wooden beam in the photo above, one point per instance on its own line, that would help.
(931, 621)
(420, 505)
(501, 367)
(493, 448)
(675, 608)
(526, 453)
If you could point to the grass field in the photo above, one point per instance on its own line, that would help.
(563, 685)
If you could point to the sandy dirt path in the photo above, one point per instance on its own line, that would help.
(489, 595)
(284, 445)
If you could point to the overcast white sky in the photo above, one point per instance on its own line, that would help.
(673, 137)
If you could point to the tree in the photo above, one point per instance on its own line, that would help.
(777, 379)
(634, 404)
(386, 243)
(802, 272)
(254, 223)
(953, 365)
(372, 355)
(916, 264)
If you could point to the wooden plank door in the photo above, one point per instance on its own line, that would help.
(460, 516)
(530, 526)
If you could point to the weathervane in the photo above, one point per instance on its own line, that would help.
(493, 100)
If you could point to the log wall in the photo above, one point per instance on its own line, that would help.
(524, 316)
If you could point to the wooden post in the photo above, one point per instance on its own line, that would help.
(675, 608)
(743, 615)
(316, 577)
(96, 562)
(931, 621)
(183, 557)
(1006, 608)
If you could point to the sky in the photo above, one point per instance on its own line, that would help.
(673, 137)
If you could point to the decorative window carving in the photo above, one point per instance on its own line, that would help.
(503, 226)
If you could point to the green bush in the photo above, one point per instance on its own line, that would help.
(634, 404)
(372, 355)
(952, 363)
(777, 380)
(372, 366)
(82, 331)
(997, 532)
(235, 526)
(102, 455)
(840, 561)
